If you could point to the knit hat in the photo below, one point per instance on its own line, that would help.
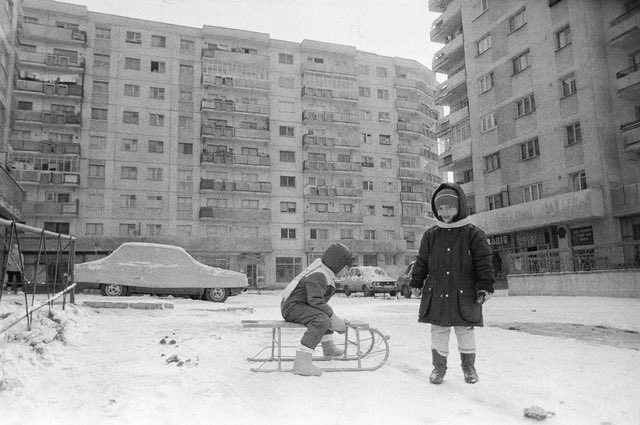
(336, 257)
(447, 197)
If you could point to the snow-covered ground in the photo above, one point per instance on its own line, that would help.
(107, 366)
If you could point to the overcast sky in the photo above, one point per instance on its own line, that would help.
(386, 27)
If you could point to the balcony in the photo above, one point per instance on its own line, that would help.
(406, 220)
(453, 88)
(32, 31)
(411, 173)
(448, 24)
(252, 133)
(48, 118)
(333, 217)
(313, 140)
(45, 146)
(356, 245)
(235, 82)
(46, 177)
(438, 5)
(330, 94)
(333, 191)
(235, 159)
(565, 207)
(11, 196)
(330, 117)
(625, 200)
(411, 129)
(449, 57)
(226, 132)
(413, 197)
(332, 166)
(344, 69)
(631, 136)
(235, 186)
(49, 89)
(235, 215)
(42, 208)
(230, 106)
(50, 60)
(408, 83)
(625, 29)
(456, 157)
(413, 106)
(628, 82)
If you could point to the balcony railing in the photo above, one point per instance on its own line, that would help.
(236, 214)
(235, 159)
(46, 32)
(42, 208)
(331, 94)
(333, 217)
(235, 186)
(330, 117)
(217, 131)
(48, 117)
(49, 88)
(50, 59)
(232, 106)
(45, 146)
(46, 177)
(413, 84)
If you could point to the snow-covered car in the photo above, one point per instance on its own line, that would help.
(403, 281)
(147, 268)
(368, 279)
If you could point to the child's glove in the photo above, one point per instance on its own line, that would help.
(482, 296)
(416, 292)
(337, 324)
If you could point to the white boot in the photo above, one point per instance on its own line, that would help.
(303, 365)
(329, 348)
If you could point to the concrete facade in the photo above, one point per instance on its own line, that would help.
(253, 154)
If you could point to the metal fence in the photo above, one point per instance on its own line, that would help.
(624, 255)
(45, 260)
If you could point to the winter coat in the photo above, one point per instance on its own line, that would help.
(15, 260)
(313, 290)
(454, 261)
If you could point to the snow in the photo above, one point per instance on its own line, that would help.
(109, 367)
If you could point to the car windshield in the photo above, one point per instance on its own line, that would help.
(380, 272)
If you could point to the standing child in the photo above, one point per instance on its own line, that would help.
(454, 273)
(305, 301)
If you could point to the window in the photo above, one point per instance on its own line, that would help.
(156, 93)
(128, 201)
(365, 114)
(364, 91)
(483, 44)
(154, 201)
(579, 181)
(370, 210)
(155, 146)
(183, 229)
(383, 94)
(101, 87)
(96, 171)
(185, 71)
(363, 69)
(318, 233)
(187, 45)
(315, 60)
(185, 148)
(157, 66)
(367, 185)
(287, 233)
(388, 211)
(492, 162)
(127, 230)
(129, 117)
(369, 235)
(184, 203)
(134, 37)
(185, 122)
(186, 95)
(365, 138)
(287, 156)
(158, 41)
(285, 58)
(132, 63)
(98, 143)
(521, 62)
(486, 82)
(574, 134)
(481, 6)
(532, 192)
(131, 90)
(381, 72)
(93, 229)
(156, 120)
(384, 116)
(563, 37)
(526, 105)
(99, 114)
(346, 233)
(286, 131)
(367, 161)
(288, 207)
(516, 21)
(249, 204)
(130, 145)
(30, 19)
(385, 163)
(320, 208)
(287, 181)
(529, 149)
(287, 268)
(24, 105)
(286, 82)
(101, 61)
(568, 86)
(128, 173)
(154, 229)
(384, 139)
(488, 122)
(494, 202)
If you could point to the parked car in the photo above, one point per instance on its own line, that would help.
(403, 281)
(147, 268)
(368, 279)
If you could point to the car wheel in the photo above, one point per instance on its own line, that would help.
(406, 292)
(366, 291)
(346, 291)
(112, 290)
(217, 295)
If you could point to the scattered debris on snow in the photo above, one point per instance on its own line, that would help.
(537, 413)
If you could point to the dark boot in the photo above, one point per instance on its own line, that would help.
(439, 367)
(468, 367)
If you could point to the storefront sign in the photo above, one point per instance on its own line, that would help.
(582, 236)
(499, 240)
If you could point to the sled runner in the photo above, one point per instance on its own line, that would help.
(365, 348)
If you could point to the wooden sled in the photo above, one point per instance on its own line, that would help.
(365, 348)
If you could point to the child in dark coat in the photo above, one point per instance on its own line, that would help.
(454, 273)
(305, 301)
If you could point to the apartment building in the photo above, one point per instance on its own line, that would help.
(543, 123)
(11, 194)
(253, 154)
